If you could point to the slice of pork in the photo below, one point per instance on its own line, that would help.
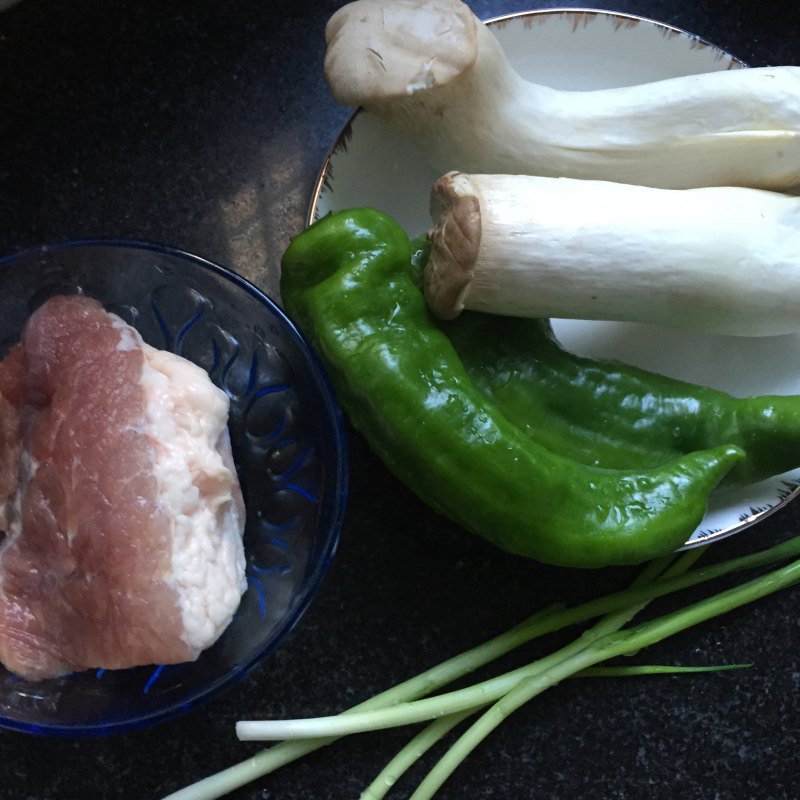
(120, 506)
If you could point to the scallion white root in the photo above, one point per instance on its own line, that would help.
(572, 660)
(394, 714)
(271, 759)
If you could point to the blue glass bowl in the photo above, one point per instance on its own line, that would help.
(288, 443)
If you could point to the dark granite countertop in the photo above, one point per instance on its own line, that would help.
(203, 125)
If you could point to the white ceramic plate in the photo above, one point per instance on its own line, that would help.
(372, 165)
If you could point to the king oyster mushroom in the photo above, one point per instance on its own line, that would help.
(720, 259)
(439, 75)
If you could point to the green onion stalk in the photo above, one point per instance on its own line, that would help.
(493, 700)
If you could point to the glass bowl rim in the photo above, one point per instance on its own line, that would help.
(339, 492)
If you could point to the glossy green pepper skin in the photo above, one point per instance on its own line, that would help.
(347, 282)
(614, 415)
(610, 414)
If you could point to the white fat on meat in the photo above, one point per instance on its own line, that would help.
(188, 420)
(122, 512)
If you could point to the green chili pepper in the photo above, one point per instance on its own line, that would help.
(611, 414)
(615, 415)
(347, 281)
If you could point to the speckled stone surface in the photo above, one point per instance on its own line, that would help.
(202, 125)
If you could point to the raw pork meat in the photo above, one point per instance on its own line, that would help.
(121, 516)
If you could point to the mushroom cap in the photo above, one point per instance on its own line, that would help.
(455, 243)
(382, 49)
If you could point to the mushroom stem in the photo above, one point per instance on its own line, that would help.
(718, 259)
(440, 76)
